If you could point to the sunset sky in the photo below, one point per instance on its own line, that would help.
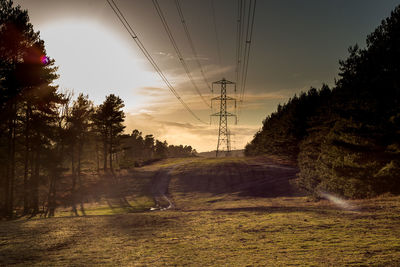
(296, 45)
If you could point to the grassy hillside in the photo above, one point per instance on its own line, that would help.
(219, 219)
(211, 154)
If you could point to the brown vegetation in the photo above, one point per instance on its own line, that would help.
(219, 219)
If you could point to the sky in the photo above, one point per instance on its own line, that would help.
(296, 45)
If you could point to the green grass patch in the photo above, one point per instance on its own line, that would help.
(110, 207)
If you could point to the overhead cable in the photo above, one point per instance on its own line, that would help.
(246, 54)
(134, 36)
(249, 34)
(239, 31)
(216, 32)
(178, 7)
(178, 52)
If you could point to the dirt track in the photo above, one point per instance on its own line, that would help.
(159, 189)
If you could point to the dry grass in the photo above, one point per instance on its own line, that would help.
(209, 229)
(226, 230)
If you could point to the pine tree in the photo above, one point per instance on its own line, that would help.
(78, 128)
(108, 119)
(26, 75)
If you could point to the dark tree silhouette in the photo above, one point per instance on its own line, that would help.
(26, 76)
(108, 119)
(79, 122)
(346, 140)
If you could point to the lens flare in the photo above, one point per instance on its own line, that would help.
(44, 59)
(339, 202)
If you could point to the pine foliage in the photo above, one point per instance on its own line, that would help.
(346, 139)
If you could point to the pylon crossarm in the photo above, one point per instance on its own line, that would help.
(223, 98)
(218, 114)
(223, 81)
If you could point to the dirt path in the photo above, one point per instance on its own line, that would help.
(159, 189)
(160, 184)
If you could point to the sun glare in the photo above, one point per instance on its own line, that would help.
(44, 59)
(95, 61)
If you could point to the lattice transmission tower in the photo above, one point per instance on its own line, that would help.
(224, 142)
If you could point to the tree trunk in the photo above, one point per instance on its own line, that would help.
(97, 157)
(10, 169)
(32, 174)
(3, 175)
(7, 176)
(26, 159)
(111, 166)
(105, 154)
(73, 197)
(117, 160)
(35, 183)
(111, 152)
(12, 178)
(78, 169)
(51, 197)
(80, 146)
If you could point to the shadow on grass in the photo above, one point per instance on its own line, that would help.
(41, 241)
(247, 179)
(273, 209)
(319, 210)
(249, 185)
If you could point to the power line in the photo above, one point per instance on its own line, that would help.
(178, 7)
(239, 31)
(178, 52)
(216, 32)
(246, 56)
(133, 35)
(249, 33)
(239, 39)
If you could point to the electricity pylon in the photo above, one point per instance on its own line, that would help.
(223, 114)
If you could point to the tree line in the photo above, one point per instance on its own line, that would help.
(46, 136)
(138, 150)
(345, 139)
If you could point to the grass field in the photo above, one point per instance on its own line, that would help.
(212, 228)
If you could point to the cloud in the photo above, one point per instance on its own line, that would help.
(265, 96)
(199, 136)
(173, 56)
(198, 57)
(165, 117)
(167, 55)
(168, 111)
(179, 125)
(152, 91)
(179, 78)
(251, 101)
(258, 101)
